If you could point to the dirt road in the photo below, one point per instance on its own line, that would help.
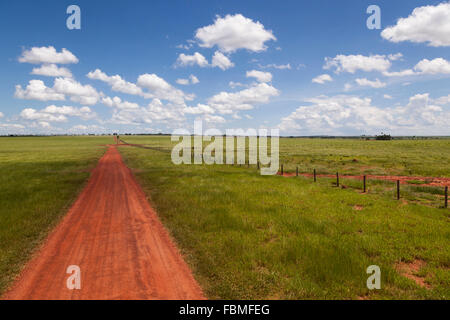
(116, 239)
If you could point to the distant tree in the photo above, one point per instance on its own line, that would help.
(383, 136)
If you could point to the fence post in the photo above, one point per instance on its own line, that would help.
(257, 164)
(315, 178)
(398, 189)
(364, 183)
(296, 172)
(337, 179)
(446, 197)
(282, 170)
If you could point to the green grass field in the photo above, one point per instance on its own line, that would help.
(247, 236)
(40, 178)
(251, 236)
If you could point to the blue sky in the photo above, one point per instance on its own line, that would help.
(306, 67)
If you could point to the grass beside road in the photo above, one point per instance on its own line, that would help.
(248, 236)
(357, 157)
(40, 177)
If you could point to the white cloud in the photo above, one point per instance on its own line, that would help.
(395, 56)
(322, 79)
(116, 82)
(53, 113)
(184, 82)
(213, 118)
(116, 102)
(156, 111)
(425, 66)
(83, 94)
(47, 55)
(442, 100)
(52, 70)
(363, 82)
(276, 66)
(260, 76)
(386, 96)
(37, 90)
(234, 84)
(1, 115)
(340, 115)
(161, 89)
(229, 103)
(403, 73)
(191, 60)
(222, 61)
(234, 32)
(199, 109)
(194, 79)
(427, 24)
(435, 66)
(353, 63)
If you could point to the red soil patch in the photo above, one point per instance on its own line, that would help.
(116, 239)
(410, 270)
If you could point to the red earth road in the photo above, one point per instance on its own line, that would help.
(116, 239)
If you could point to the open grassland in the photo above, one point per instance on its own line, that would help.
(40, 177)
(250, 236)
(356, 157)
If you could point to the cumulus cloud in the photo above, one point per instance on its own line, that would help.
(427, 24)
(230, 102)
(116, 102)
(260, 76)
(37, 90)
(276, 66)
(161, 89)
(116, 82)
(56, 114)
(183, 82)
(47, 55)
(213, 118)
(155, 111)
(363, 82)
(344, 114)
(1, 115)
(52, 70)
(192, 60)
(353, 63)
(192, 80)
(234, 32)
(83, 94)
(425, 66)
(435, 66)
(322, 79)
(222, 61)
(199, 109)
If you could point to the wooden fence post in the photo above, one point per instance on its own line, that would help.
(257, 164)
(315, 178)
(282, 170)
(337, 179)
(398, 189)
(446, 197)
(364, 183)
(296, 172)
